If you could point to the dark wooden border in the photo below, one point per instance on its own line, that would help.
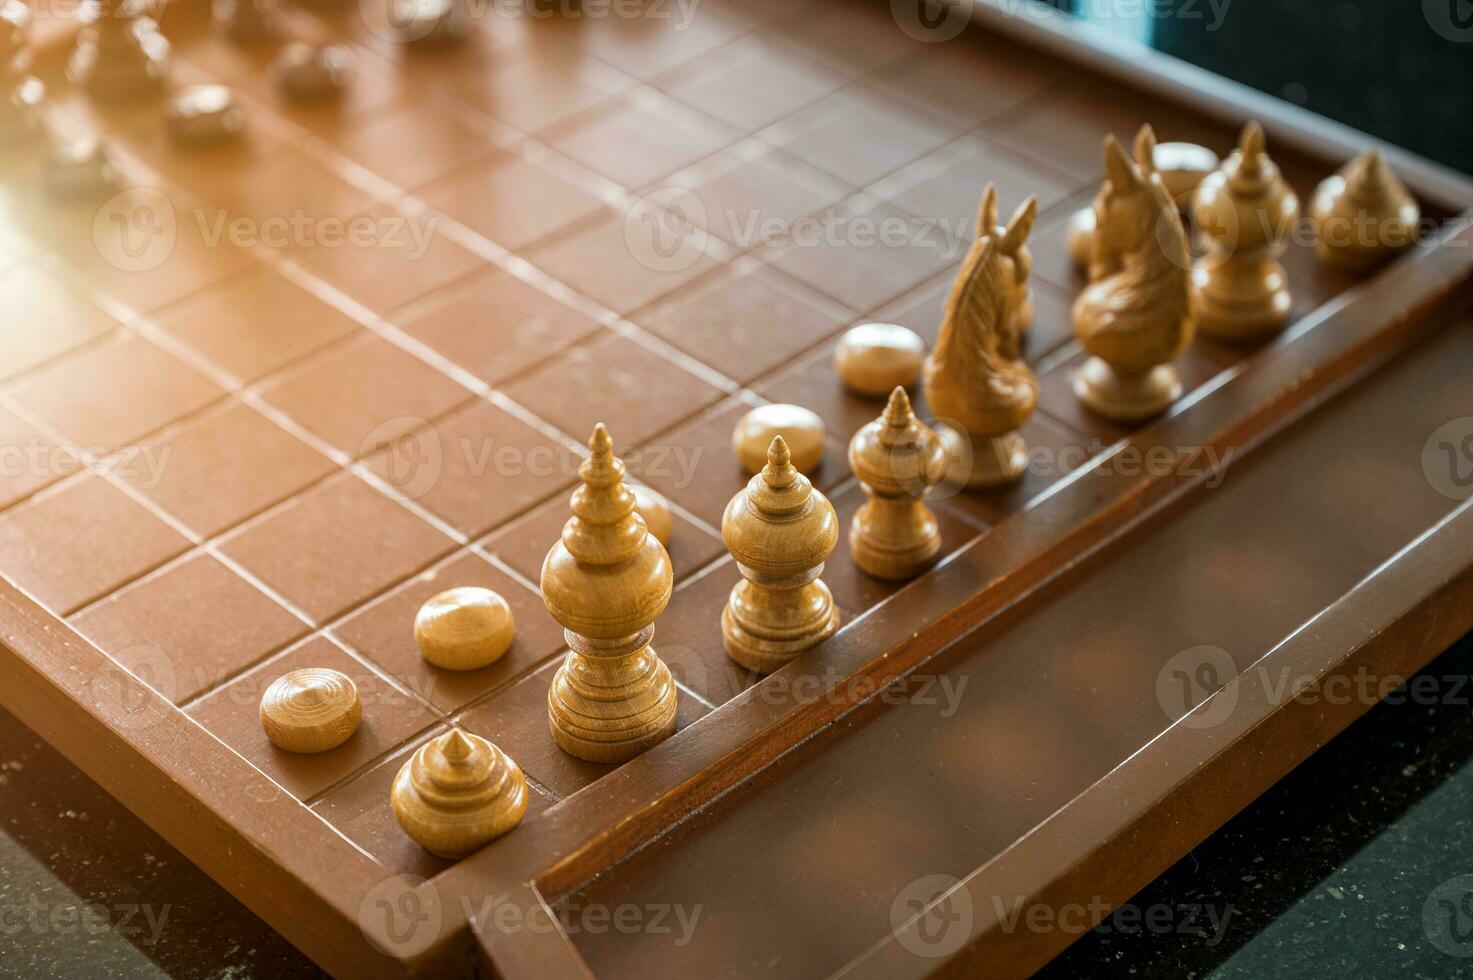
(308, 882)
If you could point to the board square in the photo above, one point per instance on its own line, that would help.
(77, 542)
(610, 262)
(864, 254)
(390, 717)
(533, 94)
(254, 324)
(657, 38)
(750, 83)
(416, 144)
(962, 80)
(511, 201)
(860, 136)
(749, 201)
(944, 186)
(854, 40)
(688, 637)
(336, 545)
(363, 394)
(636, 144)
(133, 387)
(745, 323)
(384, 258)
(384, 633)
(222, 467)
(29, 461)
(612, 380)
(45, 318)
(230, 624)
(477, 467)
(495, 325)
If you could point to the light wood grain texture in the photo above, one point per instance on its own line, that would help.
(780, 530)
(873, 358)
(457, 793)
(606, 581)
(1136, 314)
(894, 535)
(801, 429)
(1363, 215)
(311, 710)
(975, 383)
(655, 510)
(120, 54)
(1245, 210)
(464, 628)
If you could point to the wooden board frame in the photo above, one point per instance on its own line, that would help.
(242, 829)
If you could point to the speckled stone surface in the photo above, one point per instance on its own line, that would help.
(1345, 868)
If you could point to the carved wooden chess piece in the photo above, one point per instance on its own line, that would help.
(20, 116)
(1136, 315)
(606, 581)
(1015, 248)
(780, 530)
(1363, 214)
(457, 793)
(1245, 210)
(894, 535)
(310, 710)
(973, 379)
(120, 54)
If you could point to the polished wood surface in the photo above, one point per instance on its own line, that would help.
(313, 709)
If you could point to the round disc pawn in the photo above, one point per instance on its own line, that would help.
(802, 431)
(311, 710)
(204, 114)
(311, 72)
(465, 628)
(873, 358)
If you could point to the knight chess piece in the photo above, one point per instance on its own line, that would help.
(1022, 259)
(246, 21)
(1136, 316)
(20, 115)
(1245, 211)
(120, 53)
(1363, 215)
(894, 535)
(606, 581)
(780, 530)
(973, 378)
(457, 793)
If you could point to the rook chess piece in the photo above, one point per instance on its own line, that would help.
(973, 379)
(1136, 315)
(120, 53)
(1363, 215)
(311, 710)
(894, 535)
(20, 117)
(780, 531)
(466, 628)
(606, 581)
(1245, 210)
(457, 793)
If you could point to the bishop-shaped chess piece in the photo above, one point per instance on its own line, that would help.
(780, 530)
(606, 581)
(973, 380)
(1136, 316)
(894, 535)
(1245, 211)
(120, 53)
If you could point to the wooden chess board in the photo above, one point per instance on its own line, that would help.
(363, 370)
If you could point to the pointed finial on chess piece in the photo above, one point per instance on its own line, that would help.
(1145, 149)
(898, 412)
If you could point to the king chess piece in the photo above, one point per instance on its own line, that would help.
(606, 581)
(120, 54)
(973, 379)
